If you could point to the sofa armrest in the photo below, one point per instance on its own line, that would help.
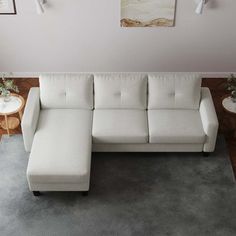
(209, 120)
(30, 118)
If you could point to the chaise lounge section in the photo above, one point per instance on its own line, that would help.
(61, 148)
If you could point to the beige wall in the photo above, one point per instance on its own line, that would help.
(84, 35)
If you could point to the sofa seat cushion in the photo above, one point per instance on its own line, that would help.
(61, 150)
(175, 126)
(120, 126)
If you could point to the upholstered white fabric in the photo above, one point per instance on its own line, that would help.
(175, 126)
(180, 118)
(30, 118)
(66, 91)
(147, 147)
(174, 91)
(120, 91)
(61, 150)
(209, 120)
(120, 126)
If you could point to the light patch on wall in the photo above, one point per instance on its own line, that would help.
(147, 13)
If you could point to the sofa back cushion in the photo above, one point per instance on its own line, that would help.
(174, 91)
(120, 91)
(72, 91)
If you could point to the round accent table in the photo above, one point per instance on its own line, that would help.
(230, 108)
(14, 105)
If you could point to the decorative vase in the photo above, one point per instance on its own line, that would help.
(6, 96)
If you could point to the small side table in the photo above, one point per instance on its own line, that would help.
(230, 108)
(15, 105)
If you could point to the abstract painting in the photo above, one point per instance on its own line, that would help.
(147, 13)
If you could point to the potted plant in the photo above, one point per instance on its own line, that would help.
(6, 86)
(231, 86)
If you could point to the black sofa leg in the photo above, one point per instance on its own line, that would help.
(85, 193)
(36, 193)
(206, 154)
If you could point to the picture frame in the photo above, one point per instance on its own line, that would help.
(147, 13)
(7, 7)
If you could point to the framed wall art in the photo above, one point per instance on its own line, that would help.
(7, 7)
(147, 13)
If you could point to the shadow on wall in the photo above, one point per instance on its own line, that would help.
(213, 4)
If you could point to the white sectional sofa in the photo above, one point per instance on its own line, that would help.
(71, 115)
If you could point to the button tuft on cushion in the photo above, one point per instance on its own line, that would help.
(62, 94)
(172, 94)
(118, 94)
